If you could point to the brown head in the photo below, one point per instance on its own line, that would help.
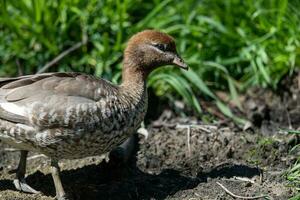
(148, 50)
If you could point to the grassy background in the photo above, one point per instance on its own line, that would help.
(229, 45)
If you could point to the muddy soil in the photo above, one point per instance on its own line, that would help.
(174, 162)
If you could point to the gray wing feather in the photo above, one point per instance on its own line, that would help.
(54, 99)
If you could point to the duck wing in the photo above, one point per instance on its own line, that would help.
(54, 100)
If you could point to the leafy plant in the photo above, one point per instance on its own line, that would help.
(293, 174)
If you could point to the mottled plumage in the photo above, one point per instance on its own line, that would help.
(68, 115)
(73, 115)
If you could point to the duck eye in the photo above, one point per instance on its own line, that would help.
(162, 47)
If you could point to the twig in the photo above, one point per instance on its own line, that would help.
(189, 140)
(188, 127)
(204, 128)
(237, 196)
(11, 149)
(62, 55)
(245, 179)
(36, 156)
(240, 179)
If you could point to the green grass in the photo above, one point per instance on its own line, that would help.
(297, 197)
(229, 45)
(293, 174)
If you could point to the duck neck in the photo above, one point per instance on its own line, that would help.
(133, 81)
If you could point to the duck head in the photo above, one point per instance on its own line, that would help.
(148, 50)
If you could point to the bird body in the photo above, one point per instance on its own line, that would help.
(48, 114)
(73, 115)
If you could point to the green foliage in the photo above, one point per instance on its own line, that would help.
(293, 174)
(295, 197)
(229, 45)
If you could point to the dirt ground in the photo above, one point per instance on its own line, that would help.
(177, 161)
(172, 163)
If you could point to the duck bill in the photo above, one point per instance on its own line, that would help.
(180, 63)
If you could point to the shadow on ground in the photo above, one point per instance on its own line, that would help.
(106, 182)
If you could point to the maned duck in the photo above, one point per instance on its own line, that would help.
(73, 115)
